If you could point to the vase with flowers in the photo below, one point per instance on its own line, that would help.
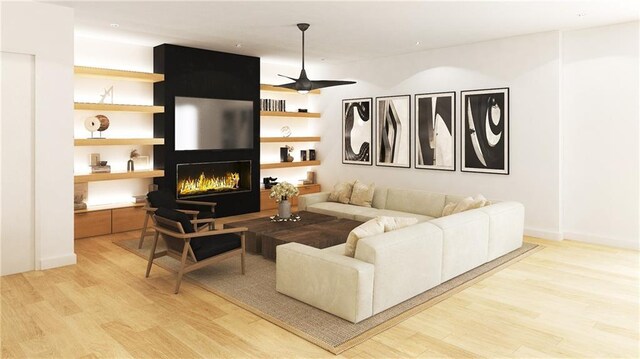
(282, 193)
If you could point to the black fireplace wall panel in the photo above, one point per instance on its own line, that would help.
(191, 72)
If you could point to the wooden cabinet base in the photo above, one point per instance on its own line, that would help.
(98, 223)
(89, 224)
(127, 219)
(269, 203)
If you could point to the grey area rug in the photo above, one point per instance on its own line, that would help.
(256, 292)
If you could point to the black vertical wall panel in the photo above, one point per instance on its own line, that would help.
(191, 72)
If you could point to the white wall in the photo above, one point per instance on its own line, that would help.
(98, 52)
(528, 65)
(17, 154)
(600, 116)
(300, 127)
(46, 32)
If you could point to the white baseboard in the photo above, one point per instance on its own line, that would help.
(60, 261)
(543, 234)
(611, 242)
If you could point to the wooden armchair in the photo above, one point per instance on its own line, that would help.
(194, 249)
(158, 199)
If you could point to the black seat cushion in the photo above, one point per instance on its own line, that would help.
(177, 216)
(162, 199)
(209, 246)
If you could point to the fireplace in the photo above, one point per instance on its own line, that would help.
(212, 178)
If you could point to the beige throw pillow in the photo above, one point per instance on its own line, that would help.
(341, 192)
(465, 205)
(368, 228)
(448, 209)
(362, 195)
(393, 223)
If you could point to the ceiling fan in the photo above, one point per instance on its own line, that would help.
(302, 84)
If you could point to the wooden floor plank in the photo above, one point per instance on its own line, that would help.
(570, 299)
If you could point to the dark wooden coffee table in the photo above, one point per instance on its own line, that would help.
(260, 226)
(319, 235)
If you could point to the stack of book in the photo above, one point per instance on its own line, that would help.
(267, 104)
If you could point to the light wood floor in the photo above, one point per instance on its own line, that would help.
(568, 300)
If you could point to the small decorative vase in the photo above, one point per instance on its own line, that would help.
(284, 208)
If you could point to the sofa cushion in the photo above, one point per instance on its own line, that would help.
(393, 223)
(341, 192)
(412, 201)
(465, 242)
(452, 198)
(465, 204)
(339, 210)
(367, 229)
(379, 198)
(364, 214)
(362, 194)
(449, 208)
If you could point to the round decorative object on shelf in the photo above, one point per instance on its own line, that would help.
(92, 124)
(96, 123)
(285, 131)
(104, 122)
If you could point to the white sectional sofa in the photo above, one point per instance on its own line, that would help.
(392, 267)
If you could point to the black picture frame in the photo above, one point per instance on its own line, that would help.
(485, 123)
(357, 129)
(435, 131)
(393, 131)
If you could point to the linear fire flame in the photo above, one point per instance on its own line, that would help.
(229, 181)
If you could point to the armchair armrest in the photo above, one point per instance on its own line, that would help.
(332, 282)
(211, 205)
(204, 220)
(201, 233)
(311, 198)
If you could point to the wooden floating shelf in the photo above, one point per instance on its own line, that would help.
(117, 107)
(290, 114)
(117, 141)
(266, 87)
(266, 166)
(289, 139)
(105, 207)
(117, 74)
(93, 177)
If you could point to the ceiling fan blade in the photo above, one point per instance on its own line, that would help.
(290, 78)
(291, 86)
(328, 83)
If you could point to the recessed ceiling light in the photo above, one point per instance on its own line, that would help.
(114, 25)
(417, 43)
(238, 45)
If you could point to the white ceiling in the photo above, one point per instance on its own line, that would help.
(340, 31)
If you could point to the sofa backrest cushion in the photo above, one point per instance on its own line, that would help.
(341, 192)
(453, 198)
(362, 194)
(414, 201)
(367, 229)
(379, 198)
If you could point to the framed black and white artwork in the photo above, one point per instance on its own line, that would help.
(485, 126)
(393, 131)
(357, 131)
(435, 124)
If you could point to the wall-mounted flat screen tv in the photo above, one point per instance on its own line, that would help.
(213, 124)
